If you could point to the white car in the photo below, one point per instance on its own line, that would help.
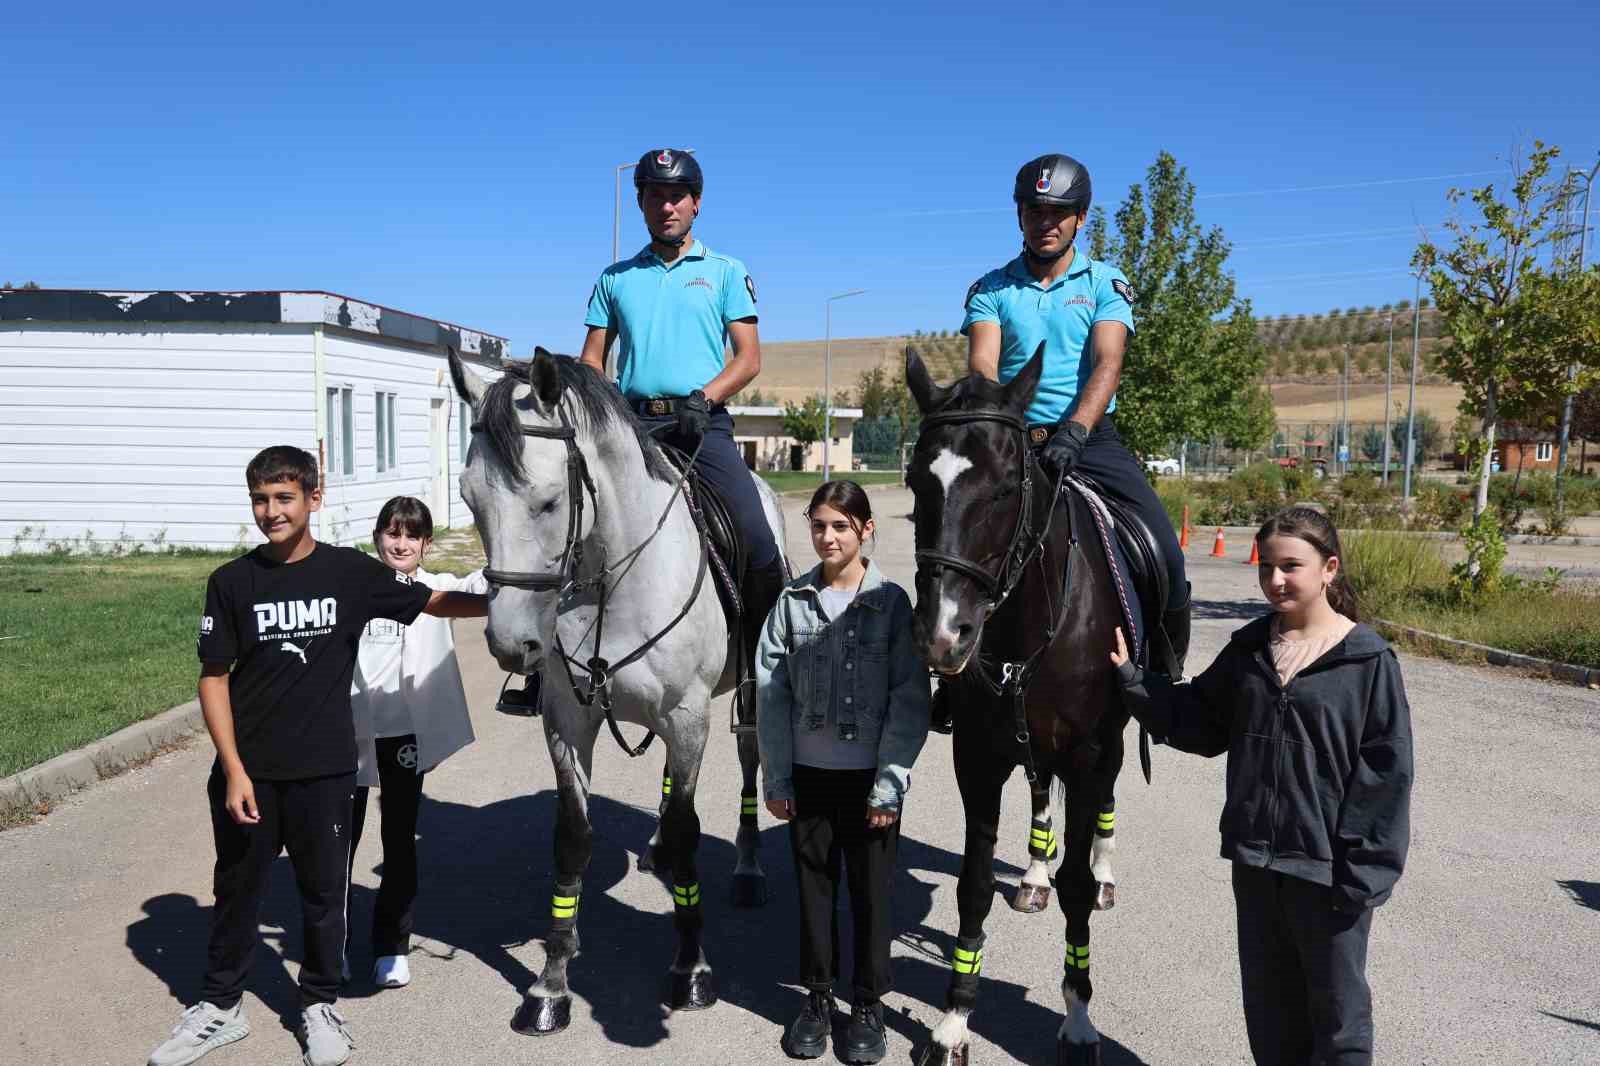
(1162, 465)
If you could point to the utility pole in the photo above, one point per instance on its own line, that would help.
(1388, 408)
(1411, 404)
(827, 378)
(1565, 433)
(1344, 417)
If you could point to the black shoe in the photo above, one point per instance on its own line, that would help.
(521, 702)
(808, 1034)
(863, 1038)
(757, 595)
(943, 709)
(1175, 624)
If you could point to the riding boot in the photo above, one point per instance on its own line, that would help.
(757, 595)
(1175, 624)
(864, 1039)
(943, 709)
(522, 702)
(808, 1034)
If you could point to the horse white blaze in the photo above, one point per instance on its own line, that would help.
(1076, 1028)
(947, 466)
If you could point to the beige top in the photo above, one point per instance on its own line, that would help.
(1289, 657)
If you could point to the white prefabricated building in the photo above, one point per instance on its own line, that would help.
(128, 417)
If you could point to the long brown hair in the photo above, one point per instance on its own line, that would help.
(1315, 529)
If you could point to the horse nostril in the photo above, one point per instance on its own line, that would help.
(963, 632)
(533, 647)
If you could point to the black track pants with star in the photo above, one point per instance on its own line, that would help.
(395, 912)
(311, 819)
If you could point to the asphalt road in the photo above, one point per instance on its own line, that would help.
(1486, 954)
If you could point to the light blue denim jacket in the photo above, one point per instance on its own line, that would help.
(858, 674)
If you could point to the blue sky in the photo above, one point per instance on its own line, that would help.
(457, 161)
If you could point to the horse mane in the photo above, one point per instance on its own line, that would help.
(595, 397)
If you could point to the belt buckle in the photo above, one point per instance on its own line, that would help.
(1038, 435)
(658, 407)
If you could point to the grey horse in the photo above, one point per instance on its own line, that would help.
(597, 578)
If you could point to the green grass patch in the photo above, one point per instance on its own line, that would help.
(1406, 579)
(787, 481)
(94, 644)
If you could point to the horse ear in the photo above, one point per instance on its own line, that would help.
(929, 397)
(545, 377)
(470, 385)
(1020, 389)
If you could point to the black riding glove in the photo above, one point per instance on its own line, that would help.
(694, 415)
(1061, 454)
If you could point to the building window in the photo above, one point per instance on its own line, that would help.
(464, 427)
(386, 431)
(1544, 452)
(341, 442)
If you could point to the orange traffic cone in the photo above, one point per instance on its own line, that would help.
(1183, 534)
(1218, 549)
(1255, 554)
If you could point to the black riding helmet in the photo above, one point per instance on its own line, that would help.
(1053, 179)
(668, 166)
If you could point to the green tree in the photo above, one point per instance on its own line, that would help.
(1430, 435)
(1371, 441)
(1494, 299)
(803, 422)
(1193, 370)
(874, 392)
(25, 285)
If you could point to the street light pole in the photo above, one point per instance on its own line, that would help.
(1388, 407)
(1411, 403)
(1344, 416)
(827, 376)
(1572, 371)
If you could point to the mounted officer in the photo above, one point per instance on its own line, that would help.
(676, 306)
(1082, 309)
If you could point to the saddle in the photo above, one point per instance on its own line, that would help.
(1138, 553)
(729, 553)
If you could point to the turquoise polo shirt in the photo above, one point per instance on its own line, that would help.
(671, 321)
(1062, 315)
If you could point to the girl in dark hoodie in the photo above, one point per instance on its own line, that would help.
(1309, 705)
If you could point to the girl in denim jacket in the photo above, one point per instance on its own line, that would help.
(843, 700)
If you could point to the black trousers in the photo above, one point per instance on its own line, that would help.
(310, 818)
(1109, 464)
(830, 825)
(394, 914)
(1303, 967)
(722, 465)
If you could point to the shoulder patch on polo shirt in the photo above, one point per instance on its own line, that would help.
(750, 287)
(1124, 290)
(971, 292)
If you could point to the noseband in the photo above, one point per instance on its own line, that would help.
(578, 480)
(997, 587)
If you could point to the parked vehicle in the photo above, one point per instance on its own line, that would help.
(1319, 467)
(1162, 465)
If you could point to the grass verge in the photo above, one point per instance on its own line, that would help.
(1405, 579)
(93, 644)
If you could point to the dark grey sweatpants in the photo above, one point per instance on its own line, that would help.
(1303, 967)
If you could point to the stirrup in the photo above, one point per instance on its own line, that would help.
(743, 695)
(523, 702)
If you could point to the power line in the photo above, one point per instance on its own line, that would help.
(1347, 185)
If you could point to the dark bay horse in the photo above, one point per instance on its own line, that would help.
(1015, 600)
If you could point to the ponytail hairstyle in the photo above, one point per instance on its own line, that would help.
(847, 498)
(1313, 527)
(409, 513)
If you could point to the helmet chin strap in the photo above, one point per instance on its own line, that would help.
(1043, 260)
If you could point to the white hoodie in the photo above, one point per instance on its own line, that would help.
(406, 681)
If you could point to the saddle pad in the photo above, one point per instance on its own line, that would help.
(1110, 544)
(727, 556)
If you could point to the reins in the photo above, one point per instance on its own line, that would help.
(565, 580)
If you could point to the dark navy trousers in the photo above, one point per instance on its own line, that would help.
(724, 468)
(1109, 464)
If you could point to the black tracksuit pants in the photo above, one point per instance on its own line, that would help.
(830, 825)
(1302, 966)
(310, 818)
(395, 912)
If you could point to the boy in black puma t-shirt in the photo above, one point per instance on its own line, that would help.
(277, 647)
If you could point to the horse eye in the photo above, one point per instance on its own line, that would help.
(549, 506)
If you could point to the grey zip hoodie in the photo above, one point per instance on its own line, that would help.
(1319, 770)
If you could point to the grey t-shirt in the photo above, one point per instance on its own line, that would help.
(823, 749)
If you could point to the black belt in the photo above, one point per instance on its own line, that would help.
(660, 406)
(1039, 433)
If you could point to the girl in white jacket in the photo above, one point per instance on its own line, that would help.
(410, 715)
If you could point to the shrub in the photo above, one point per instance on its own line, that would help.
(1439, 506)
(1386, 568)
(1476, 579)
(1362, 500)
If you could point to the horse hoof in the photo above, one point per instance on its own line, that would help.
(1106, 897)
(1031, 899)
(695, 990)
(749, 890)
(1077, 1054)
(543, 1015)
(936, 1054)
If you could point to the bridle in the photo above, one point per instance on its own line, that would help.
(565, 580)
(997, 587)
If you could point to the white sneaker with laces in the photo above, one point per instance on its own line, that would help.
(328, 1042)
(391, 971)
(202, 1028)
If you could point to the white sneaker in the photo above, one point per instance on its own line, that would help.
(391, 971)
(328, 1042)
(202, 1028)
